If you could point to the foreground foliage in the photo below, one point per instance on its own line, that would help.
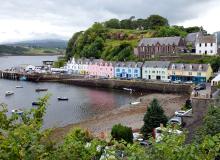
(23, 138)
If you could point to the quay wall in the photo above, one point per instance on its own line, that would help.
(135, 85)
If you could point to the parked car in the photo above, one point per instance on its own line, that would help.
(177, 81)
(167, 81)
(200, 86)
(180, 113)
(188, 82)
(175, 120)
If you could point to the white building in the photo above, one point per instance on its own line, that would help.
(72, 66)
(83, 65)
(155, 70)
(216, 81)
(206, 45)
(29, 68)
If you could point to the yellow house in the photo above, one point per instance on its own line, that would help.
(197, 73)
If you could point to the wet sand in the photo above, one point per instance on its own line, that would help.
(129, 115)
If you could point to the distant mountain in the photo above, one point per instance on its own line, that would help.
(45, 43)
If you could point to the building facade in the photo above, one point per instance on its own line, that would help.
(155, 70)
(207, 45)
(128, 70)
(197, 73)
(83, 66)
(72, 66)
(151, 47)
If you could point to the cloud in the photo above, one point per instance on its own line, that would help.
(22, 19)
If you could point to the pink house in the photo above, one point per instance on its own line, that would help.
(100, 68)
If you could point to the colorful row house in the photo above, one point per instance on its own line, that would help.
(129, 70)
(197, 73)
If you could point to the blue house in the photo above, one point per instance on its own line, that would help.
(128, 70)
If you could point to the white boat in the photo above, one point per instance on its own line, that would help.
(19, 86)
(134, 103)
(8, 93)
(128, 89)
(17, 111)
(62, 98)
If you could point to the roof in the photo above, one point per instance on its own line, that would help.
(217, 78)
(207, 39)
(160, 40)
(191, 37)
(129, 64)
(157, 64)
(190, 67)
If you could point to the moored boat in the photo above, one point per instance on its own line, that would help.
(135, 103)
(17, 111)
(35, 103)
(23, 78)
(8, 93)
(62, 98)
(19, 86)
(41, 90)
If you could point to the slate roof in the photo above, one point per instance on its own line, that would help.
(190, 67)
(191, 37)
(157, 64)
(160, 40)
(129, 64)
(207, 39)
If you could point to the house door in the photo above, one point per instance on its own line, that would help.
(158, 77)
(149, 77)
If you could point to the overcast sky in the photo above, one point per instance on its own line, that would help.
(40, 19)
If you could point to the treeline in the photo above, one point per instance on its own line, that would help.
(4, 49)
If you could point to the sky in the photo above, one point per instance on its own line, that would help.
(49, 19)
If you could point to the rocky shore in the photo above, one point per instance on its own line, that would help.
(129, 115)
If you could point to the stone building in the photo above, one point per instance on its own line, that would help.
(151, 47)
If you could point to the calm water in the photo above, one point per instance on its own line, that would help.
(83, 102)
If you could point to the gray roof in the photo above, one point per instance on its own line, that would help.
(157, 64)
(190, 67)
(191, 37)
(129, 64)
(160, 40)
(207, 39)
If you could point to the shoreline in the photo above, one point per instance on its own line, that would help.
(46, 54)
(129, 115)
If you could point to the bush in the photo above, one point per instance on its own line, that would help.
(120, 132)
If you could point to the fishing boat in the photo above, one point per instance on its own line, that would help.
(19, 86)
(35, 103)
(41, 89)
(8, 93)
(17, 111)
(62, 98)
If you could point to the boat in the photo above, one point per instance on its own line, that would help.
(19, 86)
(35, 103)
(135, 103)
(41, 90)
(17, 111)
(128, 89)
(62, 98)
(8, 93)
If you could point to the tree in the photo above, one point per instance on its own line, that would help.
(156, 21)
(171, 31)
(120, 132)
(211, 124)
(112, 23)
(126, 24)
(153, 118)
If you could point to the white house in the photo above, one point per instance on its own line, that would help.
(206, 45)
(72, 66)
(216, 81)
(155, 70)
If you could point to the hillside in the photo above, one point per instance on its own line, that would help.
(115, 40)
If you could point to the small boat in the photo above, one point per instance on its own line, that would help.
(19, 86)
(8, 93)
(41, 90)
(134, 103)
(17, 111)
(62, 98)
(35, 103)
(128, 89)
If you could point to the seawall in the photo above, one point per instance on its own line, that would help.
(144, 86)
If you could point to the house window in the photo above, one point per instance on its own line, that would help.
(129, 70)
(200, 44)
(190, 73)
(200, 51)
(145, 71)
(153, 71)
(205, 44)
(211, 44)
(117, 70)
(173, 73)
(163, 72)
(135, 71)
(199, 74)
(211, 51)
